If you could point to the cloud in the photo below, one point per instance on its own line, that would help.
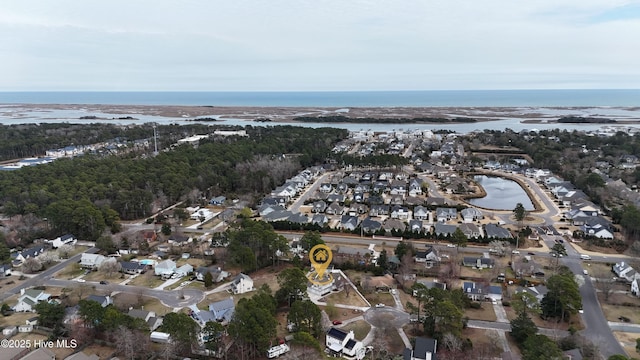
(317, 45)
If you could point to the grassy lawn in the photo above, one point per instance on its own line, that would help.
(177, 283)
(193, 262)
(17, 318)
(153, 304)
(99, 276)
(69, 272)
(615, 308)
(147, 279)
(342, 298)
(360, 328)
(576, 321)
(483, 339)
(380, 297)
(628, 342)
(485, 313)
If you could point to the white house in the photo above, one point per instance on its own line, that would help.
(165, 268)
(429, 256)
(340, 343)
(635, 288)
(29, 298)
(625, 271)
(91, 261)
(62, 240)
(184, 270)
(241, 284)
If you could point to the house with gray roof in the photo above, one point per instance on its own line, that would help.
(446, 214)
(415, 225)
(370, 225)
(379, 210)
(421, 213)
(441, 229)
(319, 206)
(478, 262)
(29, 298)
(104, 301)
(394, 224)
(495, 231)
(470, 230)
(320, 219)
(165, 268)
(348, 222)
(279, 215)
(470, 215)
(334, 209)
(223, 310)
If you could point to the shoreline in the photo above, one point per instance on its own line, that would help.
(527, 115)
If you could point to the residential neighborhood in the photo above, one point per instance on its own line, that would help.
(406, 241)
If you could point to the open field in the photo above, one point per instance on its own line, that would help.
(69, 272)
(360, 328)
(628, 342)
(342, 298)
(147, 279)
(485, 313)
(380, 298)
(621, 305)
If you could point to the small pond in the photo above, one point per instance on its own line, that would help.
(502, 194)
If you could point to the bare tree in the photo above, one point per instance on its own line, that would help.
(109, 267)
(82, 290)
(604, 283)
(499, 247)
(452, 342)
(64, 251)
(48, 257)
(31, 265)
(130, 343)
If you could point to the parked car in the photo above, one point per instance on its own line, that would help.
(531, 253)
(451, 245)
(515, 252)
(337, 322)
(381, 305)
(81, 280)
(104, 282)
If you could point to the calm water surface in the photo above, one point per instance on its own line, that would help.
(502, 194)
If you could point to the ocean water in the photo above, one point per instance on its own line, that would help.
(451, 98)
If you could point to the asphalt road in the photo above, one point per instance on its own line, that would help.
(41, 277)
(169, 298)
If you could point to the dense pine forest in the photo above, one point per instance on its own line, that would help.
(87, 194)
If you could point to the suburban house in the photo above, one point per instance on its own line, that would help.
(132, 267)
(625, 271)
(218, 200)
(537, 291)
(424, 349)
(184, 270)
(150, 317)
(165, 268)
(241, 284)
(62, 240)
(179, 240)
(482, 262)
(340, 343)
(319, 219)
(91, 261)
(474, 291)
(378, 210)
(429, 257)
(319, 206)
(441, 229)
(348, 222)
(446, 214)
(223, 310)
(29, 298)
(370, 225)
(430, 285)
(494, 231)
(470, 230)
(104, 301)
(217, 273)
(149, 236)
(5, 270)
(23, 255)
(598, 227)
(635, 287)
(421, 213)
(470, 215)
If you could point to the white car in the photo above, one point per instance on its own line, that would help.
(451, 245)
(81, 280)
(515, 252)
(381, 305)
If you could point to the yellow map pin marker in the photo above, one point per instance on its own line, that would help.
(320, 257)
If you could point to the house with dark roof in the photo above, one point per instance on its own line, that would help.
(429, 257)
(319, 206)
(104, 301)
(473, 291)
(141, 314)
(441, 229)
(376, 210)
(348, 222)
(416, 225)
(31, 252)
(334, 209)
(424, 349)
(495, 231)
(216, 272)
(482, 262)
(340, 343)
(132, 267)
(241, 284)
(370, 225)
(598, 227)
(319, 219)
(67, 239)
(470, 230)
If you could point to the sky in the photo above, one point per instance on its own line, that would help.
(320, 45)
